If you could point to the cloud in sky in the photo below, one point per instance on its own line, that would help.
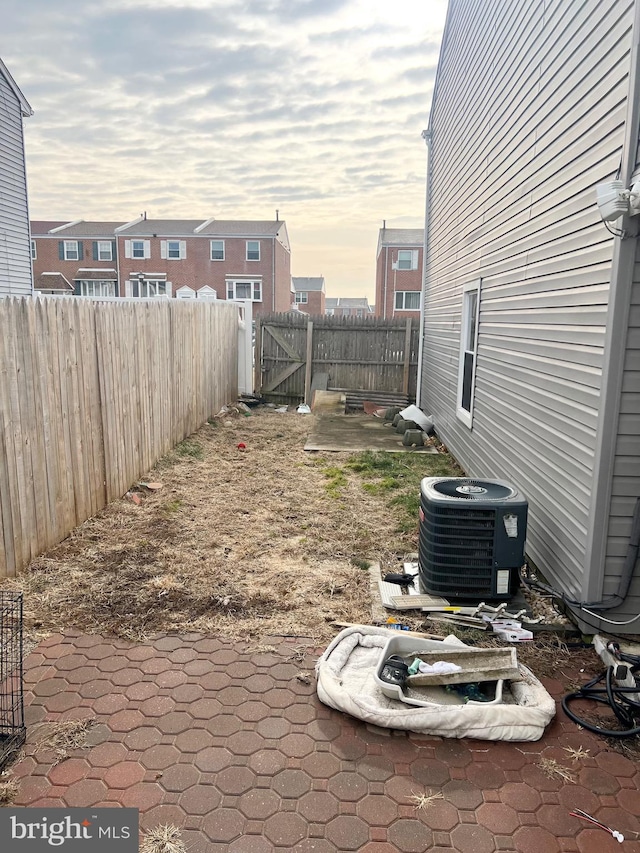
(232, 108)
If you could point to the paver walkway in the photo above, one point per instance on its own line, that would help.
(230, 745)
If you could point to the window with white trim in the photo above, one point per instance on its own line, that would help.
(244, 289)
(137, 249)
(468, 351)
(148, 288)
(71, 252)
(407, 259)
(407, 300)
(302, 297)
(34, 253)
(217, 250)
(253, 250)
(96, 287)
(173, 250)
(105, 250)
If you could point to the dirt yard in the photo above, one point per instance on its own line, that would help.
(243, 542)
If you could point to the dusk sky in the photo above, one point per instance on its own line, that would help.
(232, 109)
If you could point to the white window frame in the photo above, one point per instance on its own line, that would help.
(232, 288)
(97, 287)
(211, 250)
(68, 251)
(407, 263)
(34, 251)
(150, 287)
(302, 297)
(251, 243)
(129, 250)
(470, 316)
(173, 250)
(404, 293)
(105, 246)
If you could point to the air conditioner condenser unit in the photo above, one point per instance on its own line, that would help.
(472, 537)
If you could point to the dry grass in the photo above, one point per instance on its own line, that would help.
(576, 754)
(63, 737)
(9, 788)
(163, 839)
(244, 544)
(424, 800)
(553, 770)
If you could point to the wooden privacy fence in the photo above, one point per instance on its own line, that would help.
(355, 354)
(92, 394)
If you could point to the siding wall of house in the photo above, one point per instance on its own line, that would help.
(625, 487)
(527, 119)
(15, 254)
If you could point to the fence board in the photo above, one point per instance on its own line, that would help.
(358, 354)
(92, 394)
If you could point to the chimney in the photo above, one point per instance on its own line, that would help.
(384, 224)
(277, 216)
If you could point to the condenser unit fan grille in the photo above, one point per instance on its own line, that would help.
(453, 539)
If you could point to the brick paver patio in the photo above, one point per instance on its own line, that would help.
(231, 746)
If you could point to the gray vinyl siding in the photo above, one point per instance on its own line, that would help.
(625, 487)
(15, 247)
(527, 118)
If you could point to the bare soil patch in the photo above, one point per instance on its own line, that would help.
(247, 542)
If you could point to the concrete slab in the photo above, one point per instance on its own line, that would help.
(352, 433)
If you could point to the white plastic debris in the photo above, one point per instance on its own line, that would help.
(303, 409)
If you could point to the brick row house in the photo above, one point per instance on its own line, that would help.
(348, 306)
(185, 259)
(399, 272)
(309, 294)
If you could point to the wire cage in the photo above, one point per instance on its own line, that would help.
(12, 727)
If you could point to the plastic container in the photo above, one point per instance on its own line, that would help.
(413, 413)
(425, 696)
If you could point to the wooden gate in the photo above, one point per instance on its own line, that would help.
(362, 356)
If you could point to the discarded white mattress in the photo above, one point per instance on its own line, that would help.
(345, 681)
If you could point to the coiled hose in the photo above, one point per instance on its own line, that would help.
(618, 699)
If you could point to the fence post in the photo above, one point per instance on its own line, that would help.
(407, 357)
(308, 365)
(257, 358)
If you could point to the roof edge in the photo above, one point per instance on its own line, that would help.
(24, 103)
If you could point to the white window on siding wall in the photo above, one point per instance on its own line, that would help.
(407, 259)
(34, 253)
(407, 300)
(468, 351)
(244, 289)
(137, 249)
(173, 250)
(217, 250)
(253, 250)
(302, 297)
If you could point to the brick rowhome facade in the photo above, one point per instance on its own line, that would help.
(309, 294)
(399, 272)
(177, 258)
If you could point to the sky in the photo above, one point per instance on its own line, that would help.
(232, 109)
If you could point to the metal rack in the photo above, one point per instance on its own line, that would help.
(12, 727)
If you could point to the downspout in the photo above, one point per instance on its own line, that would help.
(273, 275)
(622, 270)
(118, 288)
(386, 268)
(426, 135)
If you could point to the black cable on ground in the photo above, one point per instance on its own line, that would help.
(618, 699)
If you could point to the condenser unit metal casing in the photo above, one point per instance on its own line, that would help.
(472, 537)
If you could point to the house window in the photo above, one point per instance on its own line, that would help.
(302, 297)
(71, 250)
(105, 250)
(244, 289)
(148, 288)
(253, 250)
(407, 259)
(217, 250)
(137, 248)
(173, 249)
(34, 254)
(407, 300)
(468, 351)
(96, 288)
(360, 312)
